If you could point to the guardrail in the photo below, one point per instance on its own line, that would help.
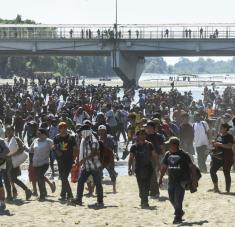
(220, 31)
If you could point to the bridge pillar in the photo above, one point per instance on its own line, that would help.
(128, 66)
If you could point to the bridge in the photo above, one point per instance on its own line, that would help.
(128, 45)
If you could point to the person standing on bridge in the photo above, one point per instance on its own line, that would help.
(71, 33)
(186, 33)
(137, 34)
(89, 33)
(82, 34)
(189, 33)
(98, 33)
(166, 33)
(216, 33)
(129, 32)
(201, 33)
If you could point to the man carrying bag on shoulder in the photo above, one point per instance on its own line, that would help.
(180, 170)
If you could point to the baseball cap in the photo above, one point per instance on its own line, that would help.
(102, 127)
(84, 128)
(87, 122)
(227, 115)
(173, 140)
(62, 125)
(151, 124)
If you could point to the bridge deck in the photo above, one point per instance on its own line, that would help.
(176, 31)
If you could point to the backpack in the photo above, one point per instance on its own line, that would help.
(191, 183)
(106, 155)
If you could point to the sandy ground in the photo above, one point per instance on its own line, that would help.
(122, 209)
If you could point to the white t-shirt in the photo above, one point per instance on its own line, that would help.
(200, 136)
(41, 151)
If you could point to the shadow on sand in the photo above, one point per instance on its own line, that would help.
(193, 223)
(94, 207)
(18, 202)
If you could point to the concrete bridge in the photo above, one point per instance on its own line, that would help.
(128, 45)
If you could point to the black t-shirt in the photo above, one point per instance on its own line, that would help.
(178, 166)
(65, 146)
(142, 154)
(226, 139)
(186, 133)
(157, 140)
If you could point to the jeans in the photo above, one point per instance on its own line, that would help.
(84, 174)
(64, 171)
(10, 175)
(40, 173)
(144, 186)
(202, 153)
(176, 196)
(216, 164)
(121, 130)
(154, 187)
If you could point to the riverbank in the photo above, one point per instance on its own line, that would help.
(150, 83)
(122, 209)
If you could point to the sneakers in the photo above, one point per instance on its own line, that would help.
(144, 206)
(177, 221)
(41, 199)
(76, 202)
(157, 196)
(62, 199)
(96, 206)
(28, 194)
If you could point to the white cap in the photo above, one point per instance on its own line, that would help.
(102, 127)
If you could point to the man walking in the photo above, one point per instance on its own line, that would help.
(178, 164)
(201, 130)
(143, 153)
(65, 149)
(91, 165)
(157, 141)
(186, 135)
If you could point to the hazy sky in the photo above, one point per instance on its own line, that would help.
(129, 11)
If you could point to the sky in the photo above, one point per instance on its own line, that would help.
(129, 12)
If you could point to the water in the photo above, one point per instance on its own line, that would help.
(197, 93)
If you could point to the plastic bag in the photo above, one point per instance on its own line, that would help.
(75, 170)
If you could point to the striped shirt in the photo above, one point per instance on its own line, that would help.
(87, 146)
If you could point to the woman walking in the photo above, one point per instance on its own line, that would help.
(222, 156)
(41, 148)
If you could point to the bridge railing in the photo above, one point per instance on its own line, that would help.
(123, 32)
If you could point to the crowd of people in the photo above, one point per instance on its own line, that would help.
(83, 127)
